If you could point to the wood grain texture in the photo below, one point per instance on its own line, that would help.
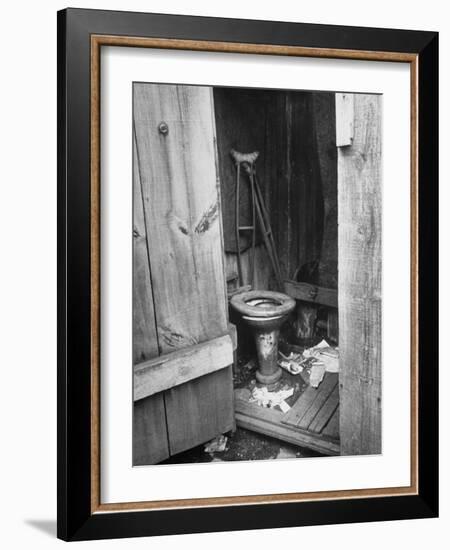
(177, 164)
(270, 422)
(310, 403)
(263, 269)
(145, 341)
(150, 443)
(181, 205)
(200, 410)
(360, 270)
(326, 412)
(332, 428)
(312, 293)
(345, 115)
(178, 367)
(324, 115)
(239, 47)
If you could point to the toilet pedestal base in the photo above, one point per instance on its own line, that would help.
(269, 380)
(266, 332)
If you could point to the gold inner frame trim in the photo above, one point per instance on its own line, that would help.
(97, 41)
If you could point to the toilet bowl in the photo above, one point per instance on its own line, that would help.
(265, 311)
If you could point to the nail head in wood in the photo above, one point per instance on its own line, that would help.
(163, 128)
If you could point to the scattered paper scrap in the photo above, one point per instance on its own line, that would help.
(323, 354)
(316, 375)
(292, 363)
(265, 398)
(284, 407)
(216, 445)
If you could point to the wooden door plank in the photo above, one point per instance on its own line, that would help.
(150, 443)
(200, 410)
(166, 371)
(360, 274)
(145, 343)
(325, 412)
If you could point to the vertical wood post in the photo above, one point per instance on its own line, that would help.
(359, 241)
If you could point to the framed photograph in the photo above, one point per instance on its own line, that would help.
(247, 252)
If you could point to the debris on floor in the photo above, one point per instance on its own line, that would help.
(322, 358)
(292, 363)
(316, 375)
(216, 445)
(244, 445)
(265, 398)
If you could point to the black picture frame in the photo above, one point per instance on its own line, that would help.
(76, 521)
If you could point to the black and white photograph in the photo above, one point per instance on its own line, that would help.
(257, 262)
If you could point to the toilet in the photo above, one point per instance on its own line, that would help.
(265, 311)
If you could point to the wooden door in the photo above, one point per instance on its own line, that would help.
(182, 349)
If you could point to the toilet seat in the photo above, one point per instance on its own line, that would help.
(262, 303)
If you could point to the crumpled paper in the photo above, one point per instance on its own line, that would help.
(265, 398)
(324, 355)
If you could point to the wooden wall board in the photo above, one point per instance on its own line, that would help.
(312, 293)
(324, 118)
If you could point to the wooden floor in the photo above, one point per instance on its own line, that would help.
(312, 422)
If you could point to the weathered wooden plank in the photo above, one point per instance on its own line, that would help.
(178, 367)
(311, 293)
(310, 401)
(307, 203)
(333, 326)
(325, 130)
(360, 270)
(181, 205)
(323, 392)
(263, 269)
(326, 411)
(200, 410)
(303, 403)
(145, 342)
(150, 443)
(269, 422)
(332, 428)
